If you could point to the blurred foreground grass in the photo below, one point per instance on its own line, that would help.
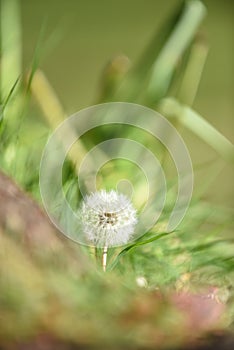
(166, 289)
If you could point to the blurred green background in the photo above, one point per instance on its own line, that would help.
(82, 36)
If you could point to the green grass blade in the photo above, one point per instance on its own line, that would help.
(199, 126)
(7, 99)
(136, 244)
(37, 56)
(193, 72)
(11, 45)
(137, 77)
(174, 48)
(44, 45)
(112, 76)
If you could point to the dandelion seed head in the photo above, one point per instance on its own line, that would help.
(107, 218)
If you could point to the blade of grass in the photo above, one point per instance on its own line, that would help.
(53, 111)
(136, 78)
(192, 75)
(177, 33)
(188, 78)
(47, 99)
(181, 37)
(11, 47)
(36, 56)
(136, 244)
(45, 44)
(199, 126)
(7, 99)
(112, 75)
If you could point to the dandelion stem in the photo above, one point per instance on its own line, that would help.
(104, 258)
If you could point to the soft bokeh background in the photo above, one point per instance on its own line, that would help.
(54, 290)
(84, 35)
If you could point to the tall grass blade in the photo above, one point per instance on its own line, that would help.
(199, 126)
(53, 111)
(193, 72)
(182, 35)
(11, 45)
(133, 84)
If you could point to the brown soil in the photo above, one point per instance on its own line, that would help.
(21, 214)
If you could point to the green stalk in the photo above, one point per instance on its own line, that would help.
(199, 126)
(11, 48)
(193, 72)
(180, 38)
(137, 77)
(53, 111)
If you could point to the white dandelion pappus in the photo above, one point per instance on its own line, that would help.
(108, 218)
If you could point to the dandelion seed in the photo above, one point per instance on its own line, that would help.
(108, 219)
(141, 282)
